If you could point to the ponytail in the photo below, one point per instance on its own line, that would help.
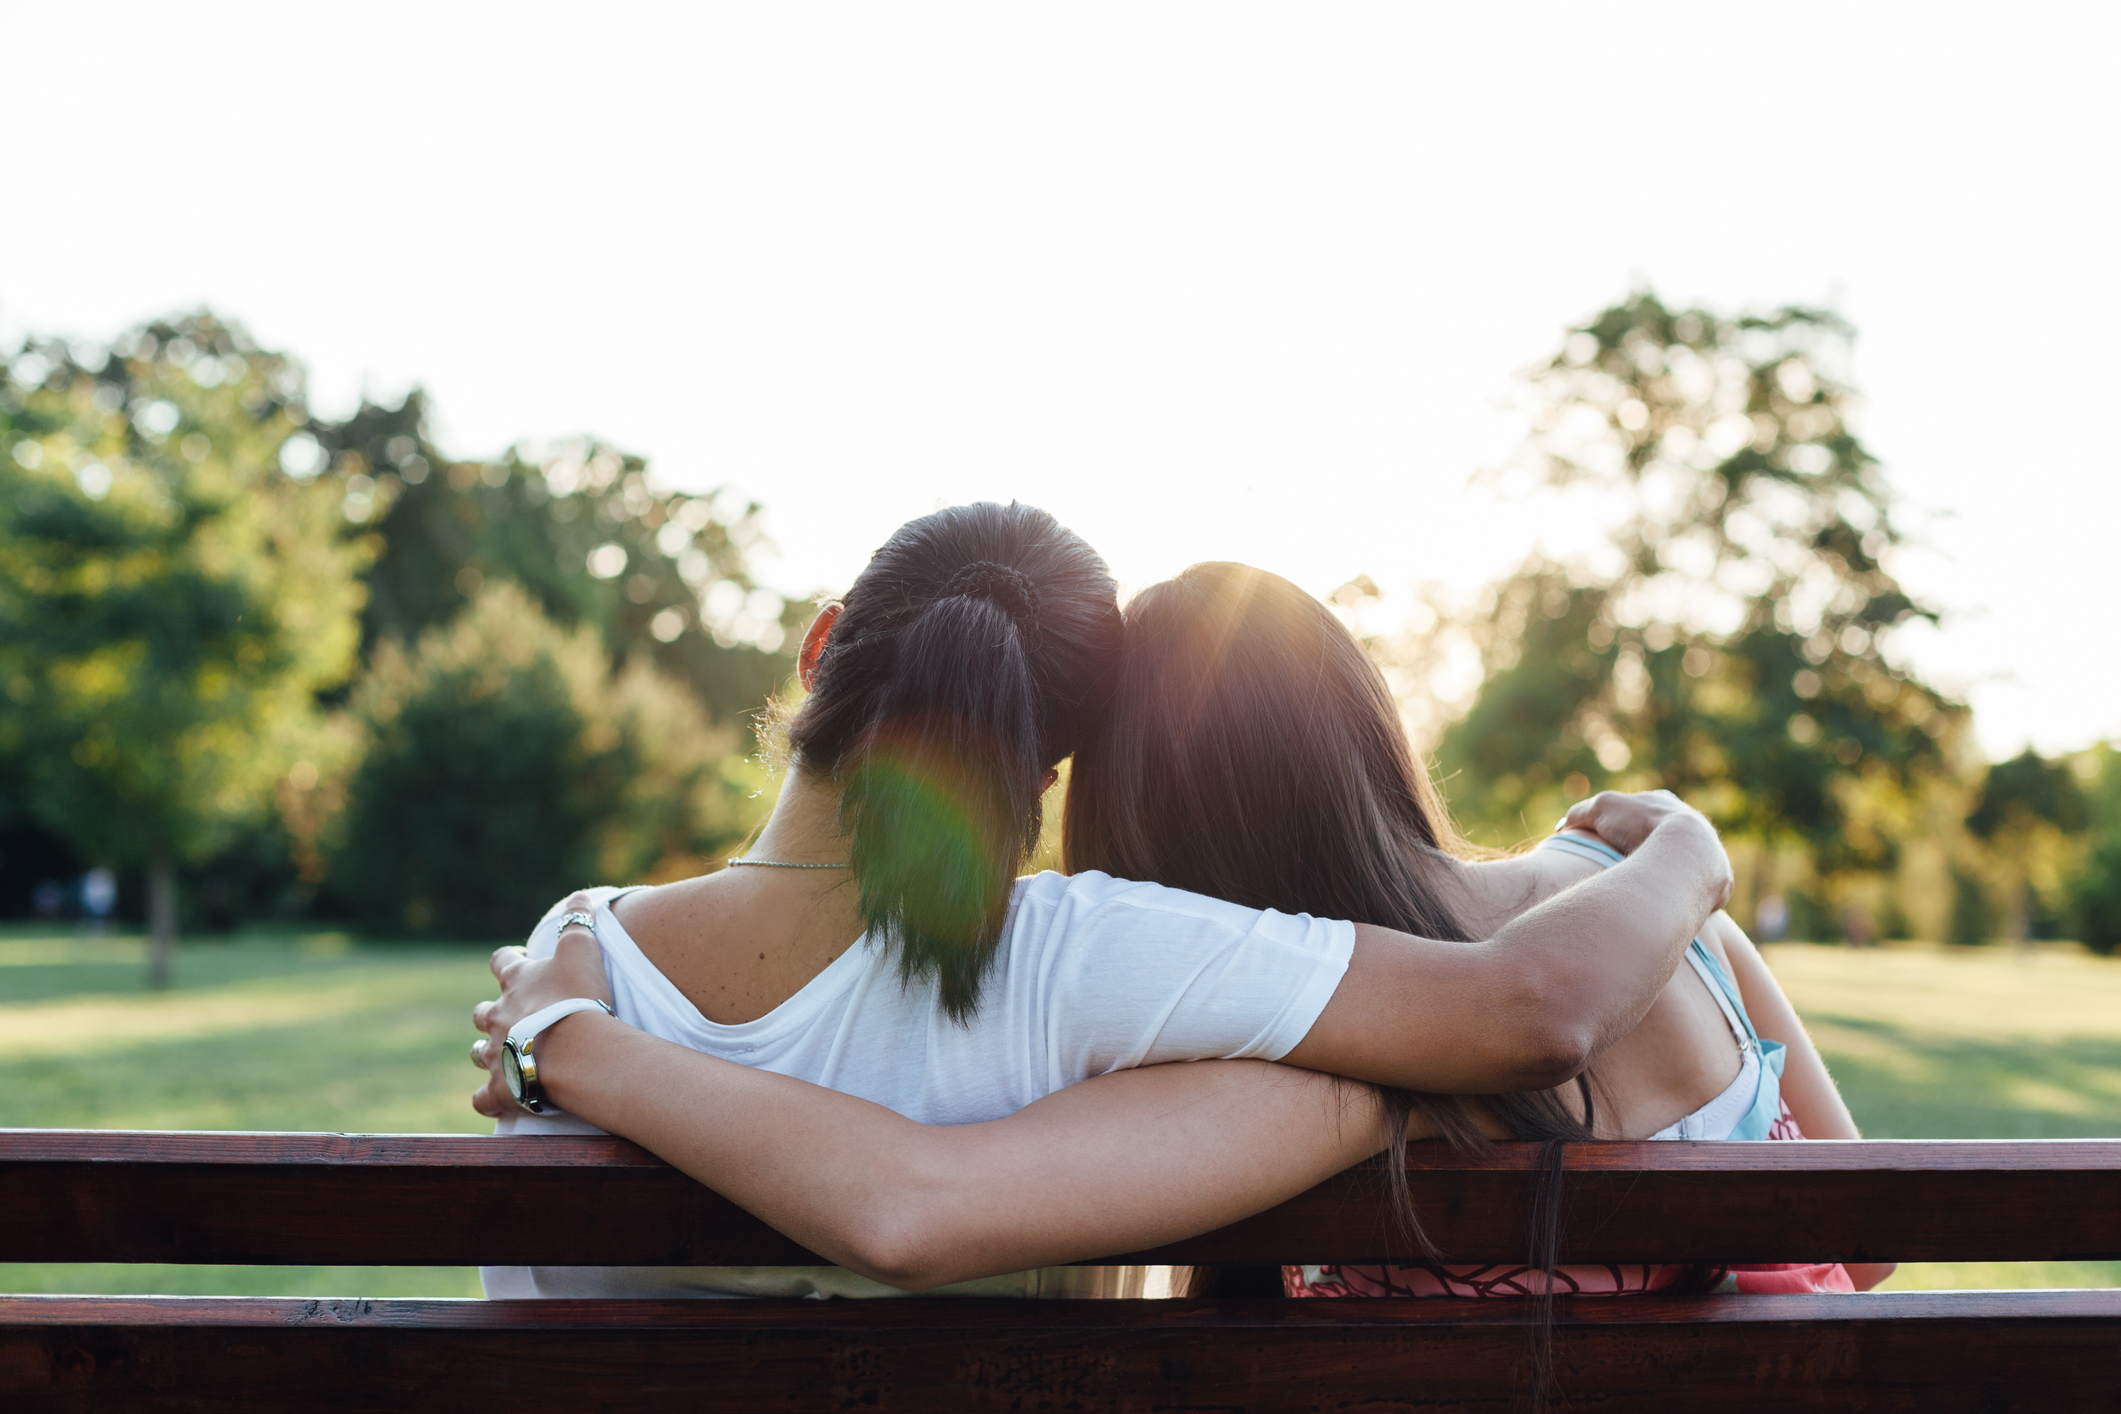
(941, 799)
(969, 659)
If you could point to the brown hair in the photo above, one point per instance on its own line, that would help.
(1252, 752)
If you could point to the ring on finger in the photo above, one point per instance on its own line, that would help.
(478, 1053)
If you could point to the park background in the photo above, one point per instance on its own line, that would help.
(422, 438)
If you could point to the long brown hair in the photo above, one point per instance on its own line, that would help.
(1252, 752)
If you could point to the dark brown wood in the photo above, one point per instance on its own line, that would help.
(110, 1196)
(1935, 1353)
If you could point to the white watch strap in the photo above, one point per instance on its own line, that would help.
(525, 1031)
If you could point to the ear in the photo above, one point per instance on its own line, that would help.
(1052, 775)
(814, 644)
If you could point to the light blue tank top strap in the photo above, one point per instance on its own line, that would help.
(1597, 851)
(1766, 1107)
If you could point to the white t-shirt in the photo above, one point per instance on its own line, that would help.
(1094, 974)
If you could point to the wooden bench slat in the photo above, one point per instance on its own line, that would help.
(107, 1196)
(1985, 1351)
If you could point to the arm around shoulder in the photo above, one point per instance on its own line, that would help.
(1530, 1007)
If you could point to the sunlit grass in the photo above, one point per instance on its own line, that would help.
(154, 1279)
(316, 1031)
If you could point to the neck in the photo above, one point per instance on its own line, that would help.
(739, 942)
(804, 827)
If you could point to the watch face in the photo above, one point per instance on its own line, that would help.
(512, 1070)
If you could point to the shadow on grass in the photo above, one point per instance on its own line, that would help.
(1903, 1083)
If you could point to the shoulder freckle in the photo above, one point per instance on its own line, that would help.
(762, 957)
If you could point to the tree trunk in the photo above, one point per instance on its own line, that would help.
(2019, 925)
(161, 919)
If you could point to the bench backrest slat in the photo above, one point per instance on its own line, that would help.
(1977, 1352)
(114, 1196)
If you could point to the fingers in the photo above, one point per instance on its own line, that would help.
(512, 968)
(491, 1099)
(577, 966)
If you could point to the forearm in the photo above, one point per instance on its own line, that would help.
(1116, 1164)
(1530, 1007)
(1596, 955)
(820, 1166)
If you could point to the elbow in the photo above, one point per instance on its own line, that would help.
(900, 1248)
(1553, 1042)
(1556, 1060)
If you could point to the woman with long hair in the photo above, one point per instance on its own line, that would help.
(874, 939)
(1244, 701)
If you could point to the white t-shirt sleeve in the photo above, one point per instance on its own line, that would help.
(1132, 974)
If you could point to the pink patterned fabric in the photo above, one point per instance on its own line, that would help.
(1519, 1279)
(1791, 1279)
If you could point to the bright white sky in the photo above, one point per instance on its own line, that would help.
(1207, 281)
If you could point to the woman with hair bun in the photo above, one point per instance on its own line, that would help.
(875, 939)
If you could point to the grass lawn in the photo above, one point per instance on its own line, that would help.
(1968, 1043)
(315, 1031)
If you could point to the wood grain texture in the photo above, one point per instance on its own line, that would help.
(1933, 1353)
(112, 1196)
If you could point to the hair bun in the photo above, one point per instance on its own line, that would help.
(1008, 588)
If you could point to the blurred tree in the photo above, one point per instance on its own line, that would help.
(660, 575)
(175, 589)
(1721, 633)
(174, 497)
(2095, 891)
(1972, 920)
(504, 765)
(2027, 809)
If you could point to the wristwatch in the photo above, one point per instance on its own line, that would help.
(519, 1067)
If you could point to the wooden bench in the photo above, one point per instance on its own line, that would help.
(109, 1196)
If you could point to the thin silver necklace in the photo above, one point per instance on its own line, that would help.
(783, 864)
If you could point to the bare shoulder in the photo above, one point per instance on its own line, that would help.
(646, 909)
(1497, 890)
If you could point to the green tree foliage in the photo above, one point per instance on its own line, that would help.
(2026, 815)
(172, 599)
(1723, 637)
(2095, 892)
(2024, 793)
(580, 526)
(190, 561)
(504, 764)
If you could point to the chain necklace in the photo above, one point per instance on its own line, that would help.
(783, 864)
